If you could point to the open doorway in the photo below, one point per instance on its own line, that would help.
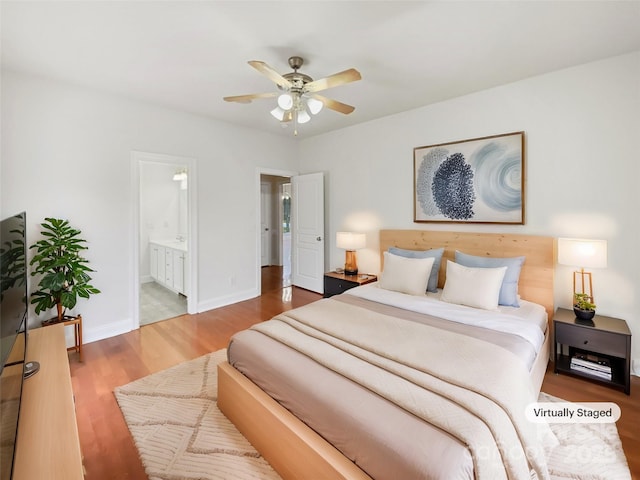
(165, 250)
(304, 251)
(275, 232)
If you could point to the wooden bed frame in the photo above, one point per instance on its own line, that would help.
(296, 451)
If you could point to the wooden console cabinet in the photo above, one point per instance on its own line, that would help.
(48, 446)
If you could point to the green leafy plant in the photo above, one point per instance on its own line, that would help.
(64, 271)
(582, 301)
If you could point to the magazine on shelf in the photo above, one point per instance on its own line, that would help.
(590, 360)
(591, 371)
(591, 365)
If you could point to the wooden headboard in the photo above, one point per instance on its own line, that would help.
(536, 276)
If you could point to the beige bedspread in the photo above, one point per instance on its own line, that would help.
(465, 386)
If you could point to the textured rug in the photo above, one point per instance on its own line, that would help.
(586, 451)
(179, 431)
(181, 434)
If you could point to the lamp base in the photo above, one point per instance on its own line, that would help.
(586, 282)
(350, 265)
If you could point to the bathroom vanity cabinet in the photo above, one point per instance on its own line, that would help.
(167, 264)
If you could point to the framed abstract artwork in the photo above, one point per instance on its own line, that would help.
(480, 180)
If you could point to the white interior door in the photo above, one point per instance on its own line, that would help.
(307, 226)
(265, 224)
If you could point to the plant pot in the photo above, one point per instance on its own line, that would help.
(584, 314)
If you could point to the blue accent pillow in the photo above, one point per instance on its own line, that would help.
(509, 289)
(436, 253)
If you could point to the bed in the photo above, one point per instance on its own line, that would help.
(389, 448)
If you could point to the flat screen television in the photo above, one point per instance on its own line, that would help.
(13, 328)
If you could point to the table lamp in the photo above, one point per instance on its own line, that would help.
(582, 253)
(350, 242)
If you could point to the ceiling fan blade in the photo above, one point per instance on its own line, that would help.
(334, 80)
(248, 98)
(335, 105)
(271, 74)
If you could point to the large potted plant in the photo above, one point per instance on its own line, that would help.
(64, 271)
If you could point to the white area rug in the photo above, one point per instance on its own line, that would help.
(179, 431)
(586, 451)
(181, 434)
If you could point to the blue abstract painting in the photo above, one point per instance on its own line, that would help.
(478, 180)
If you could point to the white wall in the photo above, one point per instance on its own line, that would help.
(581, 126)
(66, 152)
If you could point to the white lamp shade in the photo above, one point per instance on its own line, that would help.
(350, 240)
(582, 253)
(285, 101)
(278, 113)
(314, 105)
(303, 116)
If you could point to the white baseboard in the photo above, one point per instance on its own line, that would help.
(227, 300)
(94, 334)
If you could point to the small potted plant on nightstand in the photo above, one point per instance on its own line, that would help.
(64, 271)
(583, 307)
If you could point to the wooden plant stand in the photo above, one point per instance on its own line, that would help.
(77, 330)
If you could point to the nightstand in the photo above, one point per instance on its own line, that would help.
(337, 283)
(608, 338)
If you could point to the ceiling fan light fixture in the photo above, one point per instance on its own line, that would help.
(288, 116)
(278, 113)
(303, 116)
(298, 99)
(314, 105)
(285, 101)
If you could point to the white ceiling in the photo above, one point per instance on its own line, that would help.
(189, 54)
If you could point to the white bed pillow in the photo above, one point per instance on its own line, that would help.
(473, 287)
(406, 275)
(509, 289)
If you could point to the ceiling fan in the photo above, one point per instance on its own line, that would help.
(299, 99)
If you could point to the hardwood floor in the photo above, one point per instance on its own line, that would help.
(109, 452)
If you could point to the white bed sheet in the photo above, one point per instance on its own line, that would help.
(529, 321)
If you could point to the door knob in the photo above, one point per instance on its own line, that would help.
(319, 239)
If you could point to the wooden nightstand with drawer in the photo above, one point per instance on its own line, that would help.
(336, 283)
(607, 339)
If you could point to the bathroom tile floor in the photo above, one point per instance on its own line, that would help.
(159, 303)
